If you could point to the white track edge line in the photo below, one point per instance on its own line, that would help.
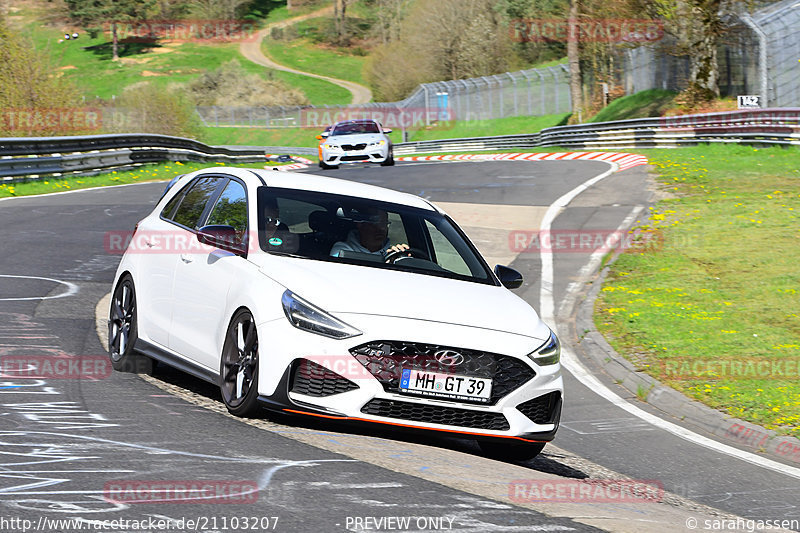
(571, 362)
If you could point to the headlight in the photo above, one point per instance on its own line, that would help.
(308, 317)
(549, 353)
(331, 147)
(377, 143)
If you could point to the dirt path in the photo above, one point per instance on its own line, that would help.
(252, 51)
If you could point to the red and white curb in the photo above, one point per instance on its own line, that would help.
(623, 160)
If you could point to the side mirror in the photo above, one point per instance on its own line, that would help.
(319, 137)
(509, 278)
(387, 130)
(222, 237)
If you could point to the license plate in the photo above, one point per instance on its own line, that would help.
(449, 386)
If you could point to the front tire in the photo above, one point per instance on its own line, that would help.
(239, 366)
(122, 330)
(325, 166)
(389, 162)
(511, 452)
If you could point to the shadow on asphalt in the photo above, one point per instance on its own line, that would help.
(544, 462)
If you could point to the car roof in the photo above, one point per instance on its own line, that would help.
(311, 182)
(357, 121)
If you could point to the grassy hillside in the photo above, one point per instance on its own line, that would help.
(650, 103)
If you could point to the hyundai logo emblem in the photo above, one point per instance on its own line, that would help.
(449, 357)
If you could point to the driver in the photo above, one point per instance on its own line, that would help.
(370, 236)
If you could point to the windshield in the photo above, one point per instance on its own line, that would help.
(351, 128)
(346, 229)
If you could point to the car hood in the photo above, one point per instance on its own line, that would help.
(355, 138)
(342, 288)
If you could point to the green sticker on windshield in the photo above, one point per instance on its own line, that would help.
(275, 241)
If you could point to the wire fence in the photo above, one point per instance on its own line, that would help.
(531, 92)
(758, 55)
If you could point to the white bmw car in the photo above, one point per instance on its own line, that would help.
(353, 141)
(327, 298)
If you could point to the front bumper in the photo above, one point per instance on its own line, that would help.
(341, 388)
(371, 154)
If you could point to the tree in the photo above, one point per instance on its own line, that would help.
(574, 60)
(28, 90)
(389, 15)
(339, 20)
(697, 28)
(442, 40)
(93, 13)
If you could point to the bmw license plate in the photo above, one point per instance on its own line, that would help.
(449, 386)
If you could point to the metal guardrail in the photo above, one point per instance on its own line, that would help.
(759, 126)
(33, 157)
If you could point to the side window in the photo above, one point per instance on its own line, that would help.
(446, 255)
(397, 232)
(231, 209)
(170, 207)
(194, 202)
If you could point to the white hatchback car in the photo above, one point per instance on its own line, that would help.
(231, 278)
(353, 141)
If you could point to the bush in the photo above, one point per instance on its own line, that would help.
(147, 108)
(29, 93)
(231, 85)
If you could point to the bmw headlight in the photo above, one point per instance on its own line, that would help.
(331, 147)
(378, 143)
(549, 353)
(308, 317)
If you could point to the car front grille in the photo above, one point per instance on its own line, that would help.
(436, 414)
(312, 379)
(354, 158)
(350, 147)
(541, 410)
(386, 359)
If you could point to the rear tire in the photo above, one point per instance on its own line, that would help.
(238, 369)
(511, 452)
(122, 330)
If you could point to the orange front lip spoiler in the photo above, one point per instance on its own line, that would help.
(356, 419)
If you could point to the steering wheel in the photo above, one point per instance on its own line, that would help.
(393, 257)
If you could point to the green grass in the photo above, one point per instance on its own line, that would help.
(306, 136)
(485, 128)
(88, 63)
(649, 103)
(145, 173)
(302, 54)
(276, 10)
(720, 282)
(261, 137)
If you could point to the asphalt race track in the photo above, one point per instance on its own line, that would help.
(66, 443)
